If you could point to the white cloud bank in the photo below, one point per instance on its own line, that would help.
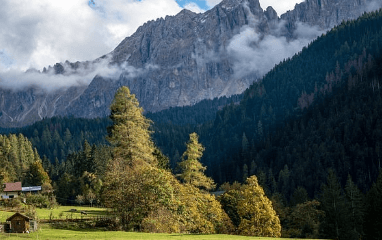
(50, 81)
(38, 33)
(194, 7)
(254, 53)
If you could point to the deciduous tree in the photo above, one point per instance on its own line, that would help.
(258, 218)
(192, 170)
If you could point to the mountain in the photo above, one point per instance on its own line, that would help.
(328, 13)
(182, 59)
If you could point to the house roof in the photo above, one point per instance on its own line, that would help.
(12, 187)
(19, 214)
(31, 189)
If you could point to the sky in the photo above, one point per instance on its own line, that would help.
(39, 33)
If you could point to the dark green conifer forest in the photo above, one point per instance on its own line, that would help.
(310, 130)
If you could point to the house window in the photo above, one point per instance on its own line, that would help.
(11, 196)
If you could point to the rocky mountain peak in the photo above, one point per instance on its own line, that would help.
(326, 13)
(178, 60)
(271, 14)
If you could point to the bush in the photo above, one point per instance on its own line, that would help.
(39, 200)
(111, 224)
(12, 203)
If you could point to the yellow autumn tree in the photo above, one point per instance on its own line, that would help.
(257, 216)
(146, 196)
(192, 170)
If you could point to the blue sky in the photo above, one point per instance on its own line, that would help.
(201, 3)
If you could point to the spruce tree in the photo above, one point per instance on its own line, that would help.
(373, 221)
(356, 207)
(333, 204)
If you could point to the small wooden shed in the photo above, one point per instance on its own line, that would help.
(19, 223)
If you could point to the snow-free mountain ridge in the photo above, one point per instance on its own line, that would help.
(181, 60)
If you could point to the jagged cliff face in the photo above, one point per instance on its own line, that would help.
(187, 56)
(175, 61)
(326, 13)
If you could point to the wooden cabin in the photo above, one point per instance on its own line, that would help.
(19, 223)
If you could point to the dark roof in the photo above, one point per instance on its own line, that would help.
(18, 214)
(12, 187)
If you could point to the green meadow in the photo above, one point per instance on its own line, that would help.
(47, 231)
(61, 212)
(48, 234)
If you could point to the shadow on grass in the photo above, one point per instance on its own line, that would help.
(90, 212)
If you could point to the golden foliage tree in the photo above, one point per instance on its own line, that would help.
(145, 194)
(257, 216)
(128, 182)
(192, 170)
(36, 175)
(130, 133)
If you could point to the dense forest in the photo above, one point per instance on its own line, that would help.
(285, 93)
(310, 130)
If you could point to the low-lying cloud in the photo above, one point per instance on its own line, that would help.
(373, 5)
(50, 81)
(255, 53)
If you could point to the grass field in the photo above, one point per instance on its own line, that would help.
(51, 234)
(61, 212)
(47, 232)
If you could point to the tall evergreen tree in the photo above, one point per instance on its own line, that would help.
(373, 221)
(333, 204)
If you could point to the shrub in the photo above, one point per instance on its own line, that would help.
(39, 200)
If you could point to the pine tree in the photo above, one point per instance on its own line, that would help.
(192, 171)
(333, 204)
(373, 221)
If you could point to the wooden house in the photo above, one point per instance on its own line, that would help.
(19, 223)
(11, 190)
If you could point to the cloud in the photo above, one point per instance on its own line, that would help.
(39, 33)
(254, 53)
(194, 7)
(212, 3)
(279, 6)
(49, 81)
(373, 5)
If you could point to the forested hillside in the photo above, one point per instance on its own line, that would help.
(19, 161)
(315, 75)
(58, 137)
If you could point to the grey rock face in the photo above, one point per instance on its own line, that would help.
(176, 61)
(188, 55)
(326, 13)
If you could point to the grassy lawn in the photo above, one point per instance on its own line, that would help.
(61, 212)
(89, 234)
(47, 232)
